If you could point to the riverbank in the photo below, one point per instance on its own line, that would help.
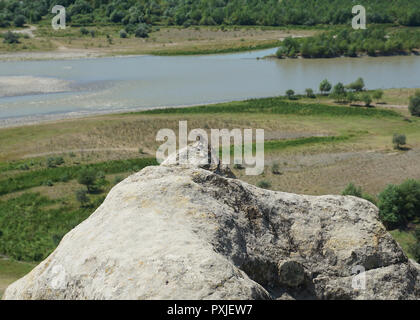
(47, 44)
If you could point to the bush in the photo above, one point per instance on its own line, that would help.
(264, 184)
(378, 94)
(399, 140)
(142, 30)
(352, 190)
(88, 178)
(414, 105)
(366, 99)
(275, 169)
(10, 37)
(82, 198)
(19, 21)
(123, 34)
(84, 31)
(399, 204)
(54, 162)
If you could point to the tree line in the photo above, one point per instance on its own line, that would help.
(213, 12)
(374, 41)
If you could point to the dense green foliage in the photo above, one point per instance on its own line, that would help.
(36, 178)
(399, 204)
(279, 106)
(32, 225)
(414, 105)
(399, 140)
(374, 41)
(215, 12)
(355, 191)
(30, 230)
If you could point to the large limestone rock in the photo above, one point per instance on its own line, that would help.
(183, 232)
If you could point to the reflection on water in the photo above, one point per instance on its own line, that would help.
(145, 81)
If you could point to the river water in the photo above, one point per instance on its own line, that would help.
(31, 89)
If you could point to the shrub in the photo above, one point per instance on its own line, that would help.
(19, 21)
(325, 86)
(378, 94)
(54, 162)
(123, 34)
(275, 169)
(84, 31)
(82, 198)
(414, 105)
(366, 99)
(118, 179)
(88, 178)
(142, 30)
(264, 184)
(352, 190)
(399, 204)
(10, 37)
(399, 140)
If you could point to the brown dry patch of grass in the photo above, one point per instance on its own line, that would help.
(172, 40)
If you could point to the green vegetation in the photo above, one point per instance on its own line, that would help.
(206, 12)
(414, 105)
(264, 184)
(399, 140)
(39, 177)
(353, 190)
(31, 225)
(10, 37)
(277, 105)
(373, 41)
(400, 204)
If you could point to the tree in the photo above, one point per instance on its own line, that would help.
(414, 105)
(10, 37)
(310, 93)
(366, 99)
(290, 94)
(357, 86)
(339, 92)
(399, 140)
(19, 21)
(88, 178)
(324, 86)
(399, 204)
(377, 95)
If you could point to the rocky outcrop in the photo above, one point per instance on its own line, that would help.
(183, 232)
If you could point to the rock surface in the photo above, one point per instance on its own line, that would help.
(184, 232)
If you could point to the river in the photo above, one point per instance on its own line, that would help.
(35, 89)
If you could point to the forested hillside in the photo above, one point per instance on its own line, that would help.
(211, 12)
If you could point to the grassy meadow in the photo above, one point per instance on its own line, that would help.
(312, 146)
